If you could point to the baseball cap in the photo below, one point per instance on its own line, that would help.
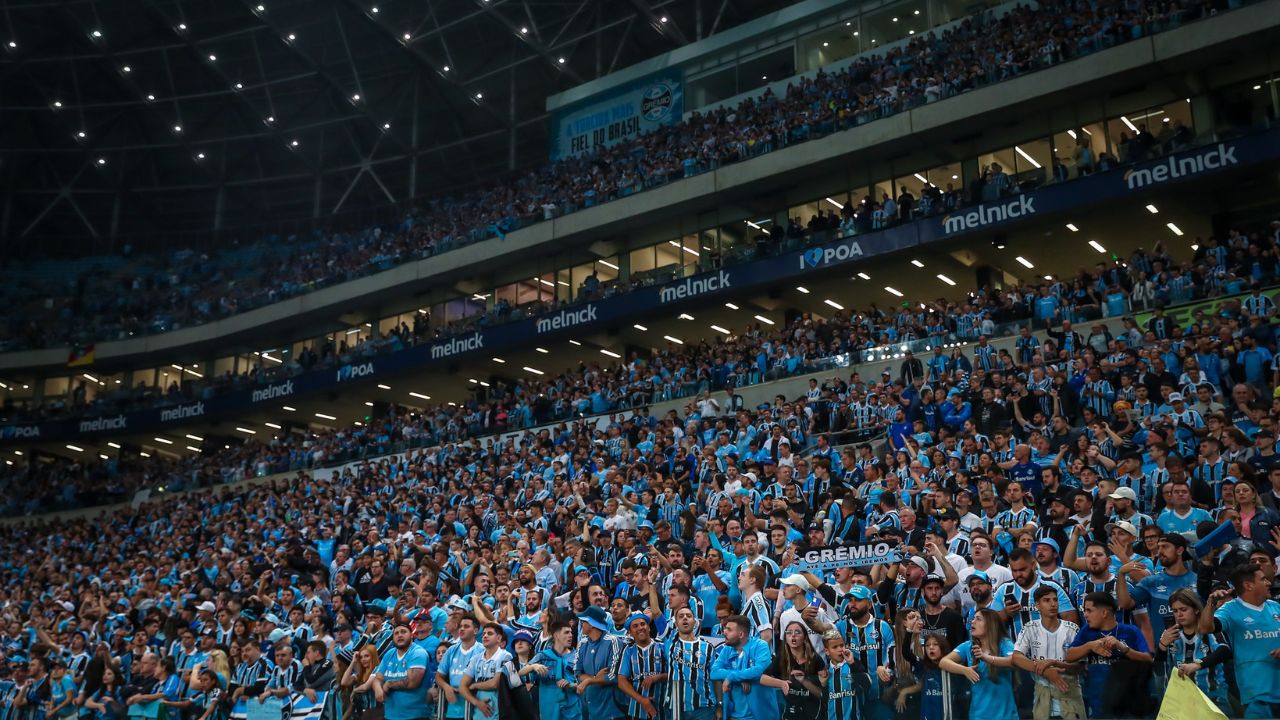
(1175, 397)
(1124, 525)
(918, 562)
(797, 580)
(207, 606)
(860, 592)
(979, 576)
(932, 578)
(1048, 542)
(1124, 493)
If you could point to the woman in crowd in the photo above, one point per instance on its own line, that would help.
(1195, 655)
(987, 661)
(355, 702)
(107, 701)
(796, 671)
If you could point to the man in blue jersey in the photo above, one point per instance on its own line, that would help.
(454, 665)
(597, 665)
(1117, 659)
(1251, 623)
(399, 683)
(642, 674)
(740, 662)
(693, 695)
(1153, 591)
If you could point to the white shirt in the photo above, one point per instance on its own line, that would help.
(790, 615)
(959, 595)
(1037, 643)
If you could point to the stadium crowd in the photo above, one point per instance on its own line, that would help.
(1058, 530)
(159, 293)
(696, 370)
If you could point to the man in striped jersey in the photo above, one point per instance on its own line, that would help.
(284, 674)
(756, 609)
(642, 674)
(871, 645)
(1015, 599)
(693, 695)
(250, 677)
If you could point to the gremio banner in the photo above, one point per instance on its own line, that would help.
(820, 559)
(619, 114)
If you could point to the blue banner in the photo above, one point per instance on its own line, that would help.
(601, 314)
(623, 113)
(820, 559)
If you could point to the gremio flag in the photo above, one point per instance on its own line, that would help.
(1183, 700)
(837, 556)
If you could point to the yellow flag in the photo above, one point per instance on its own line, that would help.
(1185, 701)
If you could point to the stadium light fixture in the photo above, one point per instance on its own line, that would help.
(764, 320)
(499, 360)
(864, 276)
(165, 441)
(288, 408)
(946, 280)
(535, 371)
(1152, 209)
(893, 291)
(609, 353)
(731, 306)
(420, 396)
(719, 329)
(97, 34)
(543, 350)
(247, 431)
(684, 316)
(102, 161)
(675, 340)
(1174, 229)
(1072, 227)
(323, 416)
(75, 447)
(1024, 262)
(833, 304)
(1097, 246)
(917, 263)
(803, 289)
(640, 327)
(197, 438)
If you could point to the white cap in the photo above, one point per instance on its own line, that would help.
(1124, 525)
(207, 606)
(797, 580)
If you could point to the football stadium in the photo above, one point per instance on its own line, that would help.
(649, 359)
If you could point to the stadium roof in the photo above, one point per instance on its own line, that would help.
(147, 119)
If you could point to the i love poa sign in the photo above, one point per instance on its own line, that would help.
(838, 556)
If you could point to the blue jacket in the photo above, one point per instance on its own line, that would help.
(742, 667)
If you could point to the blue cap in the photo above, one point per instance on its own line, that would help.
(979, 575)
(634, 617)
(1048, 542)
(596, 618)
(860, 592)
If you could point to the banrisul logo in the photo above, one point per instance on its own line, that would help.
(452, 347)
(815, 257)
(1182, 166)
(567, 319)
(694, 287)
(989, 215)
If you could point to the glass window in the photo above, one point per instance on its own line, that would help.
(829, 45)
(712, 88)
(762, 69)
(894, 23)
(738, 241)
(669, 261)
(1032, 160)
(1078, 149)
(643, 260)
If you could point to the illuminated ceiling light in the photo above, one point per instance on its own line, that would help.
(57, 103)
(893, 291)
(126, 69)
(764, 320)
(825, 44)
(731, 306)
(293, 143)
(535, 371)
(1072, 227)
(356, 97)
(479, 96)
(200, 156)
(177, 128)
(166, 441)
(864, 276)
(803, 289)
(368, 404)
(1048, 277)
(102, 161)
(239, 86)
(610, 353)
(272, 425)
(560, 60)
(374, 9)
(946, 279)
(575, 342)
(675, 340)
(271, 119)
(290, 409)
(408, 37)
(420, 396)
(911, 32)
(383, 387)
(114, 445)
(1024, 262)
(247, 431)
(144, 454)
(182, 26)
(548, 283)
(1152, 209)
(895, 19)
(213, 58)
(544, 351)
(386, 126)
(1128, 124)
(499, 360)
(917, 12)
(524, 31)
(96, 33)
(1174, 229)
(1096, 246)
(197, 438)
(322, 416)
(833, 304)
(80, 135)
(1026, 157)
(719, 329)
(640, 327)
(74, 447)
(192, 449)
(292, 37)
(684, 316)
(151, 98)
(13, 45)
(917, 263)
(261, 8)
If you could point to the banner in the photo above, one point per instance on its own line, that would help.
(1183, 700)
(820, 559)
(623, 113)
